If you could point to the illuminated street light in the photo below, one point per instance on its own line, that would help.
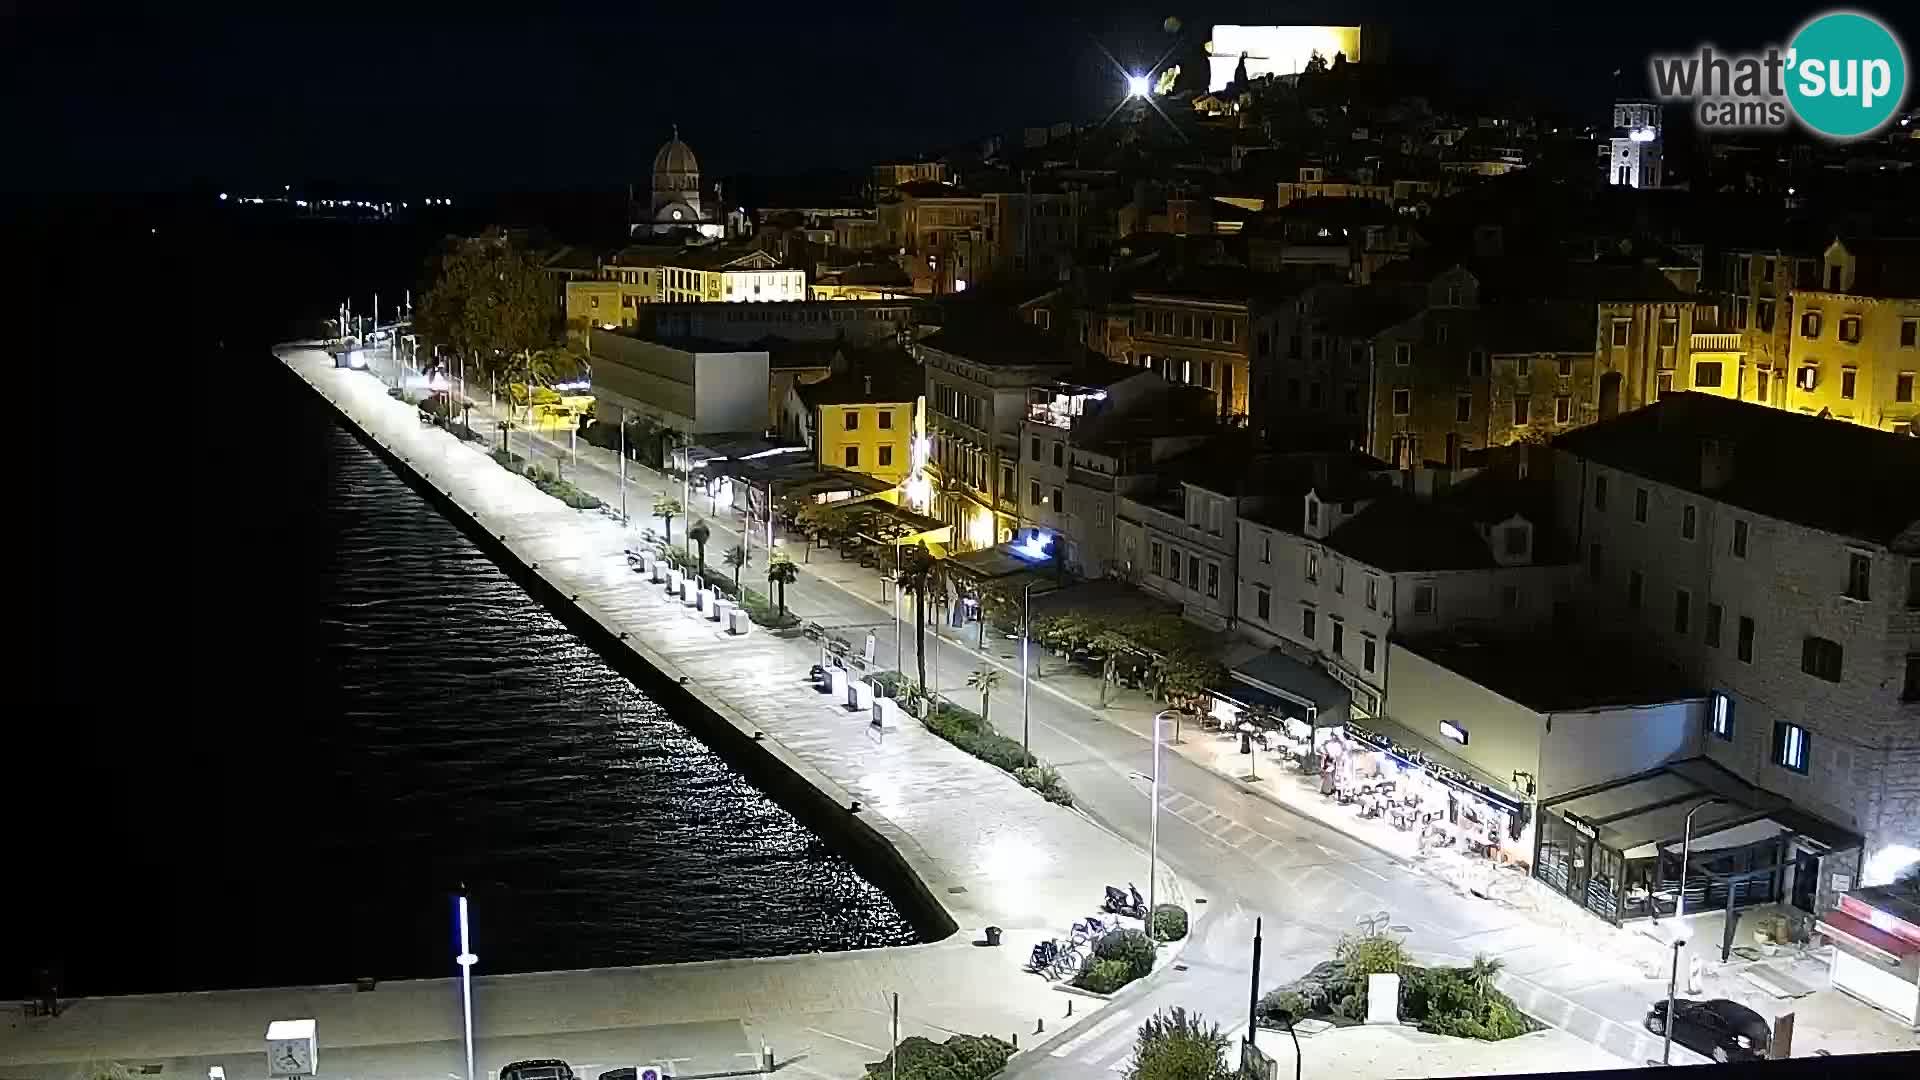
(466, 959)
(1137, 86)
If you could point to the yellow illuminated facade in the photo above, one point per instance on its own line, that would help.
(875, 438)
(601, 304)
(1275, 50)
(1856, 358)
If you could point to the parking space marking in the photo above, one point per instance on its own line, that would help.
(844, 1039)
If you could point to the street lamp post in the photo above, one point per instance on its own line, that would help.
(466, 960)
(1679, 930)
(1153, 828)
(623, 466)
(1026, 678)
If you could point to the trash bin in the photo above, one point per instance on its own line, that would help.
(993, 935)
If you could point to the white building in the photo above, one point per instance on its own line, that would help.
(1358, 562)
(692, 385)
(1775, 558)
(1633, 158)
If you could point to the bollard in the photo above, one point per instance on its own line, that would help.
(1016, 1041)
(1039, 1025)
(1069, 1006)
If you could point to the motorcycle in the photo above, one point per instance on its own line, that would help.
(1126, 903)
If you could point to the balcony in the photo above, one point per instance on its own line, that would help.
(1098, 481)
(1717, 342)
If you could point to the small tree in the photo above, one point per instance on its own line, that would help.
(781, 572)
(1110, 646)
(985, 680)
(920, 575)
(666, 508)
(735, 557)
(1177, 1045)
(700, 534)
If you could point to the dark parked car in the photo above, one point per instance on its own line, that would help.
(538, 1069)
(1722, 1030)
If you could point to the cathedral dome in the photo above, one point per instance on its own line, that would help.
(676, 159)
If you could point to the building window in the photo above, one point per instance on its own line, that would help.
(1313, 514)
(1706, 373)
(1307, 623)
(1423, 599)
(1595, 561)
(1007, 489)
(1033, 492)
(1563, 409)
(1477, 363)
(1760, 380)
(1463, 408)
(1682, 611)
(1206, 328)
(1669, 332)
(1226, 331)
(1807, 377)
(1193, 573)
(1058, 499)
(1373, 593)
(1213, 580)
(1369, 646)
(1636, 588)
(853, 457)
(1033, 450)
(1566, 367)
(886, 419)
(1059, 455)
(886, 456)
(1662, 385)
(1810, 324)
(1850, 329)
(1903, 387)
(1513, 540)
(1743, 645)
(1339, 636)
(1640, 505)
(1402, 402)
(1720, 720)
(1173, 565)
(1739, 539)
(1522, 406)
(1599, 493)
(1313, 567)
(853, 419)
(1403, 354)
(1859, 575)
(1790, 747)
(1262, 604)
(1339, 578)
(1820, 658)
(1622, 333)
(1153, 557)
(1689, 522)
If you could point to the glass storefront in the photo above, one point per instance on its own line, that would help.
(1414, 792)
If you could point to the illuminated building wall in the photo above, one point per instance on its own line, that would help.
(1634, 160)
(1275, 50)
(874, 438)
(599, 304)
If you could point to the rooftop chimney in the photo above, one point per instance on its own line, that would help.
(1716, 464)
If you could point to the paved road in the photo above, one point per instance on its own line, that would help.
(1243, 855)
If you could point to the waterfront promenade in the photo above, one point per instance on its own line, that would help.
(987, 851)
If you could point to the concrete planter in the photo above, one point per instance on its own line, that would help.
(737, 622)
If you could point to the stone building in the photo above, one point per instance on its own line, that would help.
(1775, 558)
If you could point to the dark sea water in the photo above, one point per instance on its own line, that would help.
(300, 707)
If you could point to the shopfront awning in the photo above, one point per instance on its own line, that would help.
(1863, 935)
(1733, 836)
(1246, 696)
(1642, 814)
(1300, 683)
(1439, 762)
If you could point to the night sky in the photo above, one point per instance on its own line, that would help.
(163, 97)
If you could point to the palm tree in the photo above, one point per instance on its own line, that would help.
(666, 508)
(735, 557)
(782, 572)
(699, 534)
(920, 575)
(985, 680)
(1483, 972)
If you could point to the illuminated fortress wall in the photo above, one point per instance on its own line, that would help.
(1275, 50)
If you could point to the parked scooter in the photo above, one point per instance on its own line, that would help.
(1126, 903)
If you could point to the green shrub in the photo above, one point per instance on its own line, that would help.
(1283, 1001)
(961, 1057)
(509, 461)
(1177, 1045)
(1169, 922)
(1104, 977)
(967, 731)
(1353, 1006)
(1132, 947)
(1370, 954)
(1462, 1002)
(1045, 779)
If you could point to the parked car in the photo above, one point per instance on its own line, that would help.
(537, 1069)
(1722, 1030)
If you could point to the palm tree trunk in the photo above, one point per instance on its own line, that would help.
(920, 632)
